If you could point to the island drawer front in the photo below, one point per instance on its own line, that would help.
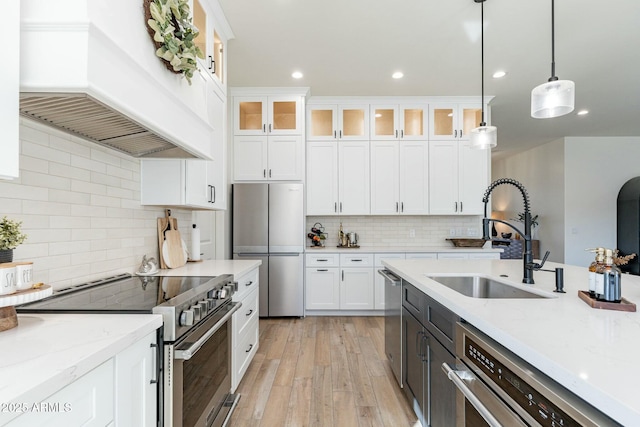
(356, 260)
(322, 260)
(244, 351)
(246, 283)
(441, 322)
(413, 300)
(246, 313)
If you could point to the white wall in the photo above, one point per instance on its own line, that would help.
(573, 184)
(541, 171)
(596, 168)
(80, 207)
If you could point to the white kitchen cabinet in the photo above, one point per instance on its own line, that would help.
(136, 383)
(268, 115)
(9, 92)
(212, 39)
(458, 177)
(450, 121)
(399, 122)
(179, 182)
(399, 177)
(356, 288)
(322, 288)
(275, 158)
(245, 334)
(346, 122)
(338, 178)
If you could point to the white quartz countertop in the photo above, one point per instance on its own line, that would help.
(594, 353)
(406, 249)
(213, 268)
(46, 352)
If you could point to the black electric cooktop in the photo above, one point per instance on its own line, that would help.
(118, 294)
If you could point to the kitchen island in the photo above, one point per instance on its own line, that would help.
(591, 352)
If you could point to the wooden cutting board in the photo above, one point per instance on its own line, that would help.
(170, 245)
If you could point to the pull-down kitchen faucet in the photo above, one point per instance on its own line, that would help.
(527, 256)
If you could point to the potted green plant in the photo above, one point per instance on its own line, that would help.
(534, 222)
(10, 238)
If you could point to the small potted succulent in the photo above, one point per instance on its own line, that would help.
(10, 238)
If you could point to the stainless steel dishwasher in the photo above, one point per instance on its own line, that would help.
(393, 321)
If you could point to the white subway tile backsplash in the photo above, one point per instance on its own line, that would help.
(68, 145)
(62, 248)
(71, 222)
(87, 163)
(58, 169)
(10, 206)
(15, 190)
(88, 210)
(28, 163)
(98, 200)
(119, 172)
(107, 158)
(45, 180)
(88, 187)
(43, 152)
(33, 133)
(70, 197)
(108, 181)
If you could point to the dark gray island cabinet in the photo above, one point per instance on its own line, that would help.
(428, 338)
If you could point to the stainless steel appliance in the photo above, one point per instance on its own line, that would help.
(393, 321)
(268, 224)
(497, 388)
(195, 337)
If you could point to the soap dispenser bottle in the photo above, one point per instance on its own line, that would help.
(592, 270)
(612, 278)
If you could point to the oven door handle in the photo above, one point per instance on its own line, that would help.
(458, 378)
(193, 349)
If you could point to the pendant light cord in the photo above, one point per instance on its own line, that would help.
(482, 122)
(553, 43)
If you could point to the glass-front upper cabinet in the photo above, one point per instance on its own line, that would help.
(210, 41)
(272, 115)
(337, 122)
(408, 122)
(454, 121)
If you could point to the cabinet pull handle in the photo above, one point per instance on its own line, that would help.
(269, 127)
(456, 207)
(322, 260)
(249, 312)
(425, 352)
(264, 128)
(460, 133)
(455, 133)
(343, 275)
(401, 206)
(340, 206)
(211, 62)
(335, 206)
(335, 134)
(249, 283)
(212, 194)
(396, 206)
(269, 173)
(460, 206)
(156, 367)
(264, 173)
(249, 349)
(402, 133)
(418, 346)
(396, 133)
(322, 269)
(340, 133)
(356, 260)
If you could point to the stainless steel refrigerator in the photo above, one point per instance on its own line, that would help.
(268, 224)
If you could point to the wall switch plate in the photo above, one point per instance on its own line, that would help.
(472, 232)
(452, 232)
(412, 232)
(459, 232)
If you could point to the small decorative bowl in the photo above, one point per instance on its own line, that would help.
(468, 243)
(506, 235)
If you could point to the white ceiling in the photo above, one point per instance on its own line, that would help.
(351, 47)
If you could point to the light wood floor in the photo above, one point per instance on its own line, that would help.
(321, 372)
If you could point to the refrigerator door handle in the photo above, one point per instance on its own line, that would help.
(285, 253)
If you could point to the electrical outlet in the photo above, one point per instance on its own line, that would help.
(459, 231)
(452, 232)
(412, 233)
(471, 231)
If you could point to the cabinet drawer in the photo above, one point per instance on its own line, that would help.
(477, 255)
(413, 300)
(422, 255)
(245, 350)
(441, 322)
(246, 313)
(246, 283)
(356, 260)
(453, 255)
(322, 260)
(377, 258)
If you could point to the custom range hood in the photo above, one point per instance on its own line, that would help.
(88, 67)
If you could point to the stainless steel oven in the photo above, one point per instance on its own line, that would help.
(197, 377)
(497, 388)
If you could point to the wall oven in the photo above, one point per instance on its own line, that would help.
(196, 337)
(497, 388)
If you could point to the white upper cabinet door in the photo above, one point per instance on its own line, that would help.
(250, 158)
(9, 93)
(211, 41)
(196, 188)
(353, 122)
(443, 177)
(322, 178)
(322, 122)
(385, 178)
(262, 115)
(413, 122)
(384, 122)
(414, 177)
(353, 182)
(474, 179)
(453, 121)
(284, 158)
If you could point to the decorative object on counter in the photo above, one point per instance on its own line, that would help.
(8, 315)
(506, 235)
(468, 243)
(170, 25)
(24, 275)
(347, 240)
(10, 238)
(317, 235)
(623, 305)
(534, 223)
(622, 260)
(148, 266)
(173, 250)
(195, 244)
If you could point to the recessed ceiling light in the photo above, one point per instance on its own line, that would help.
(397, 75)
(499, 74)
(297, 75)
(582, 112)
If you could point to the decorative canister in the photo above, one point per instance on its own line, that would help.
(7, 278)
(24, 275)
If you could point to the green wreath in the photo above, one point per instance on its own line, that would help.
(174, 34)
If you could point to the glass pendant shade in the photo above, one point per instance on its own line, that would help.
(554, 98)
(483, 137)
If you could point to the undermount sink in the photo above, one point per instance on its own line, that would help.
(484, 287)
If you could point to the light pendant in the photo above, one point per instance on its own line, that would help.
(554, 98)
(483, 137)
